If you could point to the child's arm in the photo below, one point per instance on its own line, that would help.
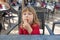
(27, 27)
(20, 30)
(35, 28)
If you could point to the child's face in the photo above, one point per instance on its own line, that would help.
(28, 16)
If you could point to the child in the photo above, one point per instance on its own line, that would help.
(29, 22)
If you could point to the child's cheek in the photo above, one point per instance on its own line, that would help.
(23, 18)
(31, 19)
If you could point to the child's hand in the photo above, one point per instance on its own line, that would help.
(27, 26)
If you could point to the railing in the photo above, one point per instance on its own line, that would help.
(29, 37)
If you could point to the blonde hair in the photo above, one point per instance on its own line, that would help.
(31, 9)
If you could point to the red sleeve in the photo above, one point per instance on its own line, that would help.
(35, 29)
(20, 30)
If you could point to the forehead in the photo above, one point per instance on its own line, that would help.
(27, 11)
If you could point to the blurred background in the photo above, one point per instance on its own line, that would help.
(48, 9)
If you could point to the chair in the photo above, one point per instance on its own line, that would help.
(41, 15)
(1, 22)
(57, 7)
(9, 16)
(54, 23)
(41, 19)
(50, 11)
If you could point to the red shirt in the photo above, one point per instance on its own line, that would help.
(35, 31)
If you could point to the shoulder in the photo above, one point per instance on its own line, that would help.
(35, 25)
(20, 26)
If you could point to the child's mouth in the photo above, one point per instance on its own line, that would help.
(27, 20)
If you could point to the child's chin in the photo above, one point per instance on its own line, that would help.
(28, 22)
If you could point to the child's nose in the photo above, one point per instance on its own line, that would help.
(27, 16)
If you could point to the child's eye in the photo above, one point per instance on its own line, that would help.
(29, 13)
(24, 13)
